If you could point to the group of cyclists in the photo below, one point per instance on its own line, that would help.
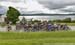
(41, 26)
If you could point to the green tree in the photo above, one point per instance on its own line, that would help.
(37, 21)
(67, 20)
(12, 15)
(73, 21)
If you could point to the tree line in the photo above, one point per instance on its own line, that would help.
(66, 20)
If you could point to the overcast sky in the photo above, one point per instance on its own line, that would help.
(39, 6)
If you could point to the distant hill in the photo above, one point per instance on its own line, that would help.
(42, 14)
(1, 14)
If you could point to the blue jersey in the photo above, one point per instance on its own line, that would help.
(49, 26)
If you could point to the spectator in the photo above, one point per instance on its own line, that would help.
(9, 27)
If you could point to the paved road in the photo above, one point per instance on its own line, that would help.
(72, 28)
(4, 29)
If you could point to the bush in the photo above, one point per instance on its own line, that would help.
(3, 24)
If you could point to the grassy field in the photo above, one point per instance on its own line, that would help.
(69, 24)
(38, 38)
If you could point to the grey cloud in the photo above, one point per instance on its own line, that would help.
(56, 4)
(51, 4)
(12, 0)
(2, 9)
(70, 9)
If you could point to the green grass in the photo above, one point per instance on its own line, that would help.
(69, 24)
(38, 38)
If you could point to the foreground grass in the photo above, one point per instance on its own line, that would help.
(37, 38)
